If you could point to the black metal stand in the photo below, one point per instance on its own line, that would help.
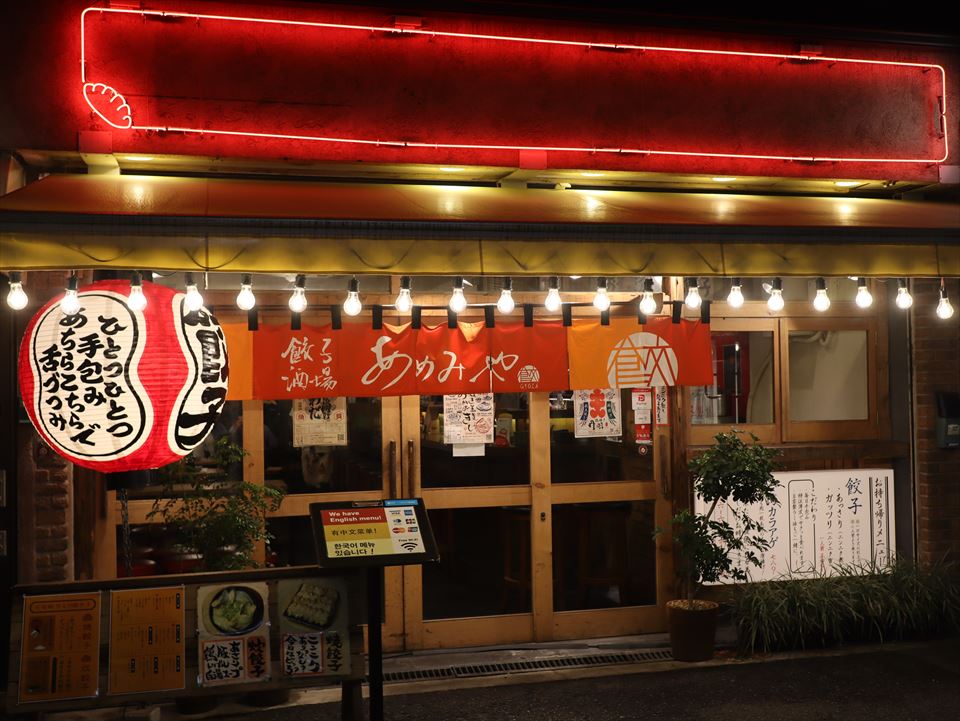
(375, 641)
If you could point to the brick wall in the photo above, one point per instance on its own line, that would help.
(936, 367)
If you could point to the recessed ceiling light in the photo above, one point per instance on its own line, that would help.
(138, 158)
(586, 174)
(846, 183)
(451, 170)
(723, 180)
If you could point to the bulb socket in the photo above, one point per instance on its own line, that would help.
(821, 284)
(777, 284)
(405, 282)
(73, 282)
(246, 279)
(508, 284)
(353, 286)
(136, 280)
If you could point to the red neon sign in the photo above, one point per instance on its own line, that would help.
(166, 113)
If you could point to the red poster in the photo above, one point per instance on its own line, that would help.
(453, 360)
(296, 363)
(529, 359)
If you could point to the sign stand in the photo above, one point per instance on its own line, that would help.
(373, 535)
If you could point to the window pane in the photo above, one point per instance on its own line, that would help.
(321, 469)
(292, 543)
(742, 389)
(604, 555)
(578, 460)
(828, 375)
(503, 463)
(484, 566)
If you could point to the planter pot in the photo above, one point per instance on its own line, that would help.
(693, 627)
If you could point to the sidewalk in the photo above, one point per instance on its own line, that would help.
(897, 682)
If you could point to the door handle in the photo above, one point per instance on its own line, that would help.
(411, 467)
(392, 460)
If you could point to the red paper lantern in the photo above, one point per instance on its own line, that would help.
(114, 389)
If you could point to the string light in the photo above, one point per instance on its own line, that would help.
(821, 301)
(735, 297)
(298, 299)
(193, 301)
(553, 301)
(458, 302)
(864, 298)
(693, 300)
(70, 305)
(648, 305)
(136, 301)
(245, 298)
(352, 305)
(404, 302)
(775, 301)
(601, 301)
(904, 299)
(16, 297)
(506, 304)
(944, 308)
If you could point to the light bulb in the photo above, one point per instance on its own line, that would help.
(245, 298)
(735, 297)
(864, 299)
(70, 305)
(944, 308)
(693, 299)
(136, 301)
(553, 301)
(506, 304)
(821, 300)
(775, 301)
(648, 305)
(352, 305)
(904, 299)
(16, 297)
(458, 302)
(298, 300)
(601, 301)
(193, 301)
(404, 302)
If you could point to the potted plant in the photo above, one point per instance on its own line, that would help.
(215, 522)
(737, 474)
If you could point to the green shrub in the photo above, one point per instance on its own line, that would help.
(901, 601)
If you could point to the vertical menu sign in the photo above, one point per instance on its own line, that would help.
(60, 647)
(315, 640)
(234, 628)
(146, 640)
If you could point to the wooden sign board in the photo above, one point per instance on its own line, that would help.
(391, 532)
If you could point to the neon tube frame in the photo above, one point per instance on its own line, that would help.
(103, 89)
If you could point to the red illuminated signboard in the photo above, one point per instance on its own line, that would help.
(278, 78)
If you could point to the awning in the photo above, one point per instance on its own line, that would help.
(174, 223)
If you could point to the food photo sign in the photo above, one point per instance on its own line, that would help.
(233, 626)
(314, 637)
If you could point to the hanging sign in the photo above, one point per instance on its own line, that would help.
(296, 363)
(528, 359)
(115, 389)
(642, 401)
(314, 637)
(468, 418)
(60, 647)
(233, 626)
(824, 521)
(147, 637)
(320, 422)
(626, 355)
(596, 413)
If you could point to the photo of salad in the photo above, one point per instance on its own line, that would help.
(236, 610)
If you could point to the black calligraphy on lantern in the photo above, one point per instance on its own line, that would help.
(88, 398)
(205, 390)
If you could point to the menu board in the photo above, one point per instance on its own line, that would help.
(233, 626)
(824, 519)
(60, 647)
(596, 413)
(319, 422)
(391, 532)
(147, 640)
(468, 418)
(314, 637)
